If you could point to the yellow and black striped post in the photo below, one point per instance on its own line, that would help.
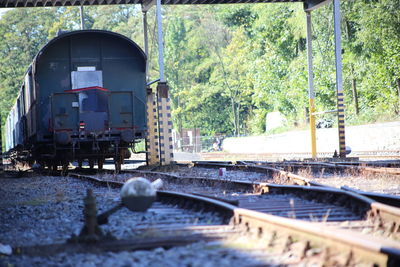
(339, 78)
(165, 124)
(152, 145)
(341, 125)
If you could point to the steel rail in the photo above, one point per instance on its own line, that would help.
(380, 213)
(390, 200)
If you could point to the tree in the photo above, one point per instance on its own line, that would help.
(23, 32)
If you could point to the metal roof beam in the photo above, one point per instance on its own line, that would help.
(310, 5)
(147, 4)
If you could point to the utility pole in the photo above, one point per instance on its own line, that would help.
(82, 18)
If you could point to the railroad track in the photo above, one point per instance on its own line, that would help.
(384, 167)
(257, 205)
(174, 227)
(309, 241)
(285, 173)
(383, 212)
(165, 225)
(319, 168)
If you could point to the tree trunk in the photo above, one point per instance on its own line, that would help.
(307, 114)
(237, 119)
(234, 117)
(353, 80)
(354, 87)
(398, 87)
(398, 91)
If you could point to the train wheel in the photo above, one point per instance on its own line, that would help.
(123, 154)
(100, 163)
(119, 160)
(91, 163)
(117, 163)
(65, 168)
(48, 165)
(42, 164)
(55, 166)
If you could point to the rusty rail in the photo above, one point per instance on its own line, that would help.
(300, 180)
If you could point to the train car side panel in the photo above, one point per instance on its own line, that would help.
(52, 76)
(124, 70)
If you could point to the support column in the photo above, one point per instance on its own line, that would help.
(165, 124)
(160, 42)
(311, 94)
(152, 137)
(152, 140)
(82, 18)
(146, 43)
(164, 106)
(339, 79)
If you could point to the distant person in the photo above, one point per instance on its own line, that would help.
(219, 143)
(215, 146)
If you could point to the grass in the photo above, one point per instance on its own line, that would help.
(140, 146)
(351, 119)
(369, 117)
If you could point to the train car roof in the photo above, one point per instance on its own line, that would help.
(78, 32)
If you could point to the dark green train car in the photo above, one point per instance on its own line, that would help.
(85, 98)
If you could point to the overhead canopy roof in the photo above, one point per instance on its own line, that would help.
(308, 4)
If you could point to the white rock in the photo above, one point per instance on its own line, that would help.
(159, 250)
(138, 186)
(5, 249)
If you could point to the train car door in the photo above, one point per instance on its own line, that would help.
(93, 109)
(121, 110)
(64, 112)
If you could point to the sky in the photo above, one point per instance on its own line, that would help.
(3, 10)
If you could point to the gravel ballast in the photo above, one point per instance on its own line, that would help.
(48, 210)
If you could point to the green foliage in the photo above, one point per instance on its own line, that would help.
(22, 32)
